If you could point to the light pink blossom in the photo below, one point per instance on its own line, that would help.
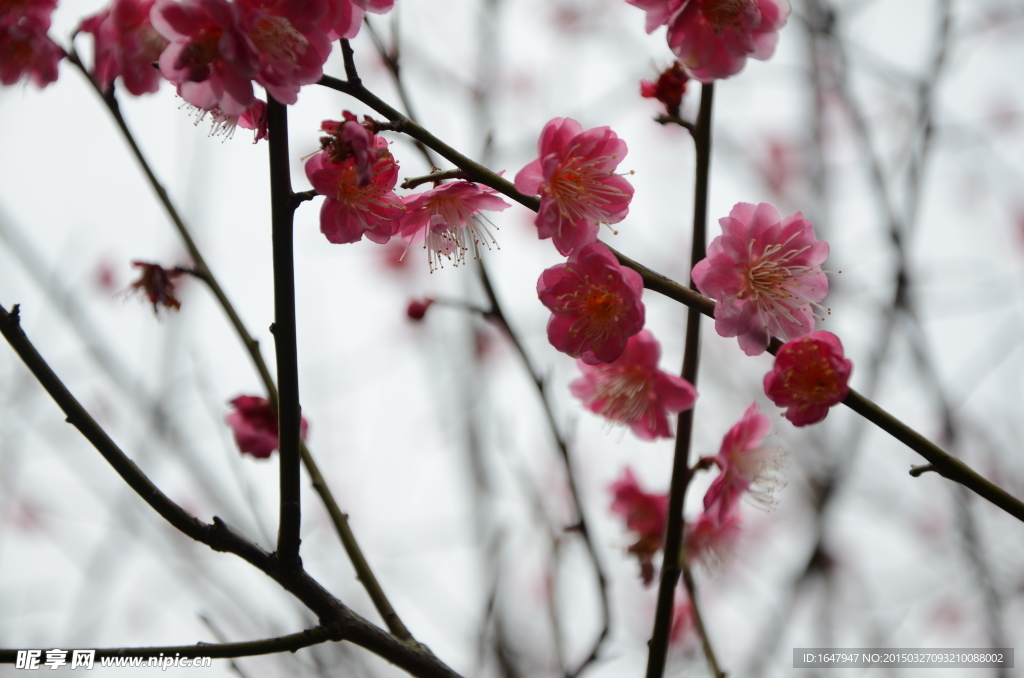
(711, 538)
(658, 11)
(575, 178)
(447, 218)
(765, 272)
(747, 466)
(346, 16)
(713, 38)
(632, 390)
(595, 304)
(254, 423)
(646, 515)
(25, 48)
(810, 375)
(209, 57)
(289, 42)
(126, 45)
(351, 210)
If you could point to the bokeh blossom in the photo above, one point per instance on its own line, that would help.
(765, 272)
(595, 304)
(346, 16)
(254, 423)
(710, 539)
(157, 284)
(126, 45)
(352, 210)
(646, 515)
(747, 467)
(25, 48)
(447, 218)
(713, 38)
(811, 374)
(633, 391)
(575, 178)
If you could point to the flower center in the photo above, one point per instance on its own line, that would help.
(202, 51)
(579, 187)
(277, 39)
(624, 395)
(600, 306)
(722, 14)
(814, 380)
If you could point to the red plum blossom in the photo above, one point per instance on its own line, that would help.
(352, 210)
(810, 375)
(25, 48)
(126, 45)
(633, 391)
(447, 218)
(595, 304)
(575, 178)
(157, 283)
(765, 272)
(669, 88)
(254, 423)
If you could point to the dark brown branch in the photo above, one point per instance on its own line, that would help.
(337, 619)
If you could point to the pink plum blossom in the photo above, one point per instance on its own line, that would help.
(811, 374)
(646, 515)
(348, 139)
(209, 57)
(447, 218)
(713, 38)
(126, 45)
(575, 178)
(351, 210)
(25, 48)
(765, 272)
(633, 391)
(254, 423)
(711, 538)
(658, 11)
(221, 124)
(746, 466)
(595, 304)
(289, 42)
(255, 118)
(346, 16)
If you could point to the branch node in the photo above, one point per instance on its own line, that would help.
(918, 471)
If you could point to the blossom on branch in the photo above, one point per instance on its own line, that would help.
(447, 218)
(126, 45)
(254, 423)
(765, 272)
(595, 304)
(254, 118)
(747, 467)
(575, 178)
(713, 38)
(348, 139)
(646, 515)
(633, 391)
(352, 210)
(25, 48)
(669, 88)
(157, 283)
(811, 374)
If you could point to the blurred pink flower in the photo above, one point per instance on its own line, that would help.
(810, 375)
(713, 38)
(209, 56)
(765, 272)
(595, 304)
(157, 284)
(25, 49)
(633, 391)
(126, 45)
(254, 423)
(223, 125)
(255, 118)
(575, 178)
(645, 514)
(346, 16)
(683, 624)
(711, 538)
(289, 42)
(351, 210)
(746, 466)
(443, 217)
(658, 11)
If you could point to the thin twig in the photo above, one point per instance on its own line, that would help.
(413, 182)
(681, 472)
